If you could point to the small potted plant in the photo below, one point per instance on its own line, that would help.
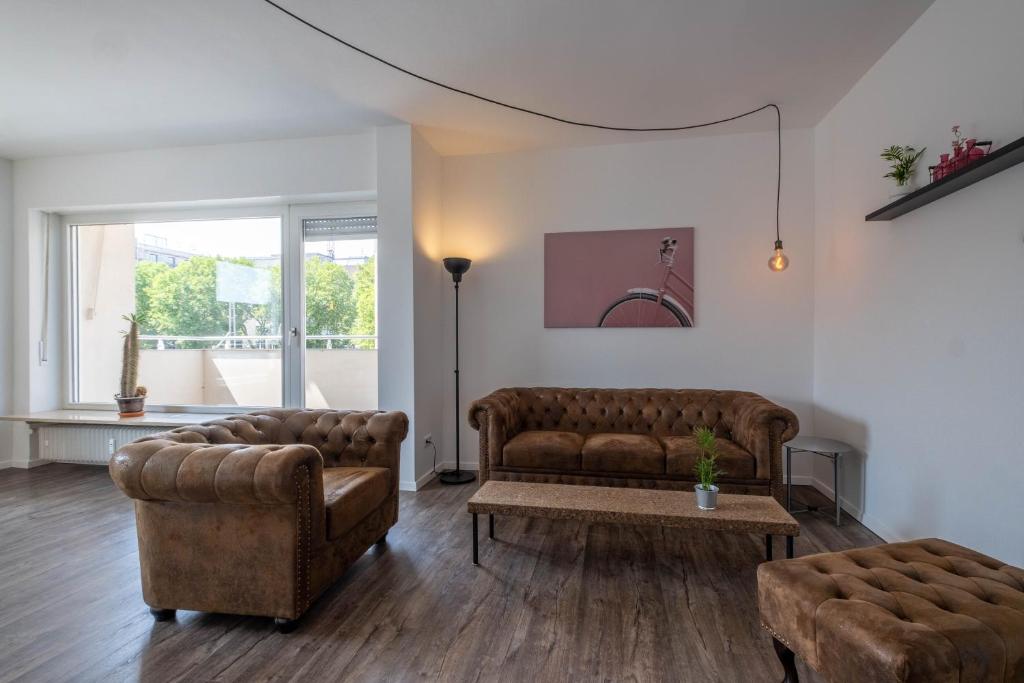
(902, 163)
(705, 469)
(131, 402)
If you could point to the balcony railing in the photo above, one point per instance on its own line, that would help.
(247, 341)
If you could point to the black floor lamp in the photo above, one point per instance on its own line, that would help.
(457, 267)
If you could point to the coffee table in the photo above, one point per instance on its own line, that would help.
(609, 505)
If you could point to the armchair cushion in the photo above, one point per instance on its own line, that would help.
(351, 493)
(735, 461)
(544, 450)
(634, 453)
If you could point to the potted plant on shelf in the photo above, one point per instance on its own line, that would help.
(705, 469)
(902, 163)
(131, 402)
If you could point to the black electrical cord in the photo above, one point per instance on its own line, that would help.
(551, 117)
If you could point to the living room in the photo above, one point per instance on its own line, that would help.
(789, 305)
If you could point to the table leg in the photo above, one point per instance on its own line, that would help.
(789, 479)
(789, 547)
(491, 522)
(836, 474)
(476, 559)
(768, 547)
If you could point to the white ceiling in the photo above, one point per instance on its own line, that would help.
(103, 75)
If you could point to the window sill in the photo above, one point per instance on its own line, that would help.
(111, 418)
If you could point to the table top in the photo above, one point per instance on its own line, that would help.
(738, 513)
(817, 444)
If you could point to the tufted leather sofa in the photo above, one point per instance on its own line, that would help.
(630, 437)
(258, 514)
(925, 611)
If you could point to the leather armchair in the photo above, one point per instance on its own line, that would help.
(259, 514)
(630, 437)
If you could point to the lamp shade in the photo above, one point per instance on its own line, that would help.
(457, 266)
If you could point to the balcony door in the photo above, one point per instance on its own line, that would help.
(334, 332)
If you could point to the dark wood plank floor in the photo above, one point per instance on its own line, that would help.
(551, 601)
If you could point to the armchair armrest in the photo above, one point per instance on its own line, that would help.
(162, 469)
(761, 427)
(496, 417)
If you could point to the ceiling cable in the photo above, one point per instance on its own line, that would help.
(552, 117)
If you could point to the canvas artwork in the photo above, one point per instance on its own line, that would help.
(619, 278)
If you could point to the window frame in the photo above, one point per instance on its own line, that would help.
(292, 286)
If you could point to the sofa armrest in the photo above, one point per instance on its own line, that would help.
(496, 417)
(761, 427)
(159, 469)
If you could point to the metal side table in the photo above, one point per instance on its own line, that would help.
(826, 448)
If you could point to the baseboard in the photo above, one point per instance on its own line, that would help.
(28, 464)
(408, 485)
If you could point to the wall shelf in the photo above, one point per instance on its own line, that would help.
(999, 160)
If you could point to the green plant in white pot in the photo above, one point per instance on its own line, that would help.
(706, 468)
(902, 166)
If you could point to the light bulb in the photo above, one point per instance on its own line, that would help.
(779, 261)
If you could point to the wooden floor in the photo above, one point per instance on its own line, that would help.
(551, 601)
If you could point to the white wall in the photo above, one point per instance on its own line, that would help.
(428, 276)
(6, 292)
(753, 326)
(919, 321)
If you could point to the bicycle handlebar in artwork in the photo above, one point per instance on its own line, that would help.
(619, 278)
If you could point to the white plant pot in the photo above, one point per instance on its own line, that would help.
(706, 499)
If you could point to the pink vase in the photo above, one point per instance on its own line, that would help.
(943, 169)
(973, 151)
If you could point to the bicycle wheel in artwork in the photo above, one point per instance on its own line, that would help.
(619, 278)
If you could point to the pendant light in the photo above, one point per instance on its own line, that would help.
(779, 261)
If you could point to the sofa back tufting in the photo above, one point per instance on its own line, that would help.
(345, 438)
(658, 412)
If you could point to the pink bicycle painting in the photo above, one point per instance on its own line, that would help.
(619, 278)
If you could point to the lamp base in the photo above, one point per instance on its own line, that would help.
(456, 477)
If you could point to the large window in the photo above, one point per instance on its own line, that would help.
(227, 317)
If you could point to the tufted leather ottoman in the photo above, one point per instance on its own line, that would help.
(927, 610)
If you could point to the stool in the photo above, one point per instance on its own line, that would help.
(922, 611)
(826, 448)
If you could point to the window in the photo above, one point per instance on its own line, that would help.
(225, 319)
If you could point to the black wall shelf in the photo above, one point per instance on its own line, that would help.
(999, 160)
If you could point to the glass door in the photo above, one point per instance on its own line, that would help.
(336, 335)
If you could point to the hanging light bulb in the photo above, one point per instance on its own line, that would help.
(779, 261)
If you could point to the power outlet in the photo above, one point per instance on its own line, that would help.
(428, 440)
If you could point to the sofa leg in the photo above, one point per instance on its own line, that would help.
(162, 614)
(788, 660)
(285, 625)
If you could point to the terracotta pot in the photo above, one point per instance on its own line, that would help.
(133, 406)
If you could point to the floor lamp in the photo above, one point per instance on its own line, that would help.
(457, 267)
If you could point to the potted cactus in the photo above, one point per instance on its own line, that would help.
(705, 469)
(131, 402)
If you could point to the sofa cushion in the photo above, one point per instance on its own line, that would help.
(543, 450)
(681, 455)
(634, 453)
(351, 493)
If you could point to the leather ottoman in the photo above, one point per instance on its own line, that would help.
(923, 611)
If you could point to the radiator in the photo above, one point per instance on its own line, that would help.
(90, 445)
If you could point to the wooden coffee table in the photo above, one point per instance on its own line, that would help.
(604, 504)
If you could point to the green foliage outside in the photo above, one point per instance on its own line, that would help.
(366, 304)
(182, 301)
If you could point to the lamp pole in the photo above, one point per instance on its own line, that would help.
(457, 267)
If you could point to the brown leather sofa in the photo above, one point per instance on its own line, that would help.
(259, 514)
(925, 611)
(630, 437)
